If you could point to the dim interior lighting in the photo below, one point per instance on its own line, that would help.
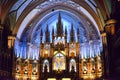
(59, 48)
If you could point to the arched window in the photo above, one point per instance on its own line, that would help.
(85, 67)
(99, 64)
(93, 65)
(26, 63)
(18, 62)
(45, 64)
(59, 62)
(18, 66)
(72, 65)
(34, 68)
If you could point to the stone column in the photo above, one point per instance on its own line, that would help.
(110, 31)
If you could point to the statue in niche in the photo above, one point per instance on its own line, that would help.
(34, 65)
(72, 69)
(45, 69)
(26, 67)
(59, 62)
(34, 72)
(26, 72)
(25, 64)
(18, 62)
(93, 70)
(17, 70)
(85, 70)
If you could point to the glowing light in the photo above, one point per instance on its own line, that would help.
(46, 62)
(66, 79)
(59, 62)
(51, 79)
(46, 52)
(72, 63)
(32, 51)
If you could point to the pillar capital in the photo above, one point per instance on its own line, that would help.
(110, 26)
(104, 40)
(110, 21)
(11, 40)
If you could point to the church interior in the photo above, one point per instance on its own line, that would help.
(59, 40)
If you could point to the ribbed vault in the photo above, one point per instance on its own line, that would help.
(46, 14)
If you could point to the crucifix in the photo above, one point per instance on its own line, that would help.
(59, 56)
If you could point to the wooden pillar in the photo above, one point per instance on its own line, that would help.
(104, 56)
(1, 28)
(96, 66)
(110, 31)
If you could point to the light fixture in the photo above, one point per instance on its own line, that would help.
(66, 79)
(51, 79)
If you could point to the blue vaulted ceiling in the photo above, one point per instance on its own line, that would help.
(51, 20)
(29, 34)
